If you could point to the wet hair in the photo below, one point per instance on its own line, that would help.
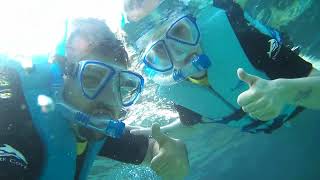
(103, 42)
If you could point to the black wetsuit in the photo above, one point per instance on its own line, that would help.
(19, 138)
(287, 64)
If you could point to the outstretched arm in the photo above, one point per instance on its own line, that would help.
(265, 99)
(168, 157)
(302, 91)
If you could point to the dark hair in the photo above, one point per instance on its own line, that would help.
(103, 41)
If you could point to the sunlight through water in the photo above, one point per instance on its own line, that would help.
(34, 26)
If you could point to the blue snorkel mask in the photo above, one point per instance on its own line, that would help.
(173, 58)
(97, 78)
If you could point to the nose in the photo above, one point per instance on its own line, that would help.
(111, 96)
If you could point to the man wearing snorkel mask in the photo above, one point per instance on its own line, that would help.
(81, 112)
(195, 58)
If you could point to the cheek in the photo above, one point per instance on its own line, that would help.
(74, 97)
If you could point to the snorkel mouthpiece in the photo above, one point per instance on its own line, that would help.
(198, 64)
(202, 62)
(112, 128)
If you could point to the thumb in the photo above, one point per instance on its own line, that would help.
(158, 135)
(245, 77)
(141, 131)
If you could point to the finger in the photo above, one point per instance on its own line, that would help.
(164, 171)
(254, 106)
(261, 114)
(253, 116)
(169, 172)
(256, 114)
(143, 131)
(269, 115)
(159, 136)
(247, 78)
(158, 162)
(247, 98)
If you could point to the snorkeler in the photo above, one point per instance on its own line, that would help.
(82, 96)
(195, 60)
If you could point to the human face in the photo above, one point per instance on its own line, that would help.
(80, 89)
(176, 47)
(106, 105)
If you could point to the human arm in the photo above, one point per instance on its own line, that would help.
(301, 91)
(187, 118)
(265, 99)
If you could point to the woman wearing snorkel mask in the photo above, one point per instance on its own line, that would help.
(195, 59)
(89, 88)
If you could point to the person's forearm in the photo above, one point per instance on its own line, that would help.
(301, 92)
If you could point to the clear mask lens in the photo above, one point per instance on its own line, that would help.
(93, 78)
(184, 31)
(179, 52)
(130, 87)
(158, 57)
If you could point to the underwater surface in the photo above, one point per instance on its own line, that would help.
(219, 152)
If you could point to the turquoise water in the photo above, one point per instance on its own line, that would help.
(219, 152)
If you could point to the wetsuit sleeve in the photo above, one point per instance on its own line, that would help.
(256, 45)
(21, 149)
(287, 65)
(187, 116)
(129, 148)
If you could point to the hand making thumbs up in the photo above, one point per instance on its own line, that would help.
(264, 100)
(170, 157)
